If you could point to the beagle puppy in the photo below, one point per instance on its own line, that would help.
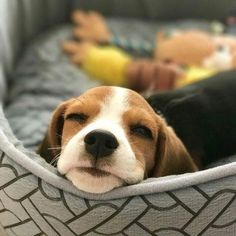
(110, 137)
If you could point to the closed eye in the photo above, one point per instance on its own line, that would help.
(141, 130)
(80, 117)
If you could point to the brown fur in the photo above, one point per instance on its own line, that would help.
(60, 131)
(171, 155)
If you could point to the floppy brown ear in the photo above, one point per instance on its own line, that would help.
(171, 155)
(52, 140)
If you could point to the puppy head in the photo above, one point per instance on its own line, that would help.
(109, 137)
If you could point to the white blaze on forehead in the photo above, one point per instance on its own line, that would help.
(110, 116)
(115, 105)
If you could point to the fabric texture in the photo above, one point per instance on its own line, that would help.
(34, 199)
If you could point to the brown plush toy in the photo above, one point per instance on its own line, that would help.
(91, 27)
(197, 48)
(202, 54)
(112, 65)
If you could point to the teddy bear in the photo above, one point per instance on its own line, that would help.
(201, 53)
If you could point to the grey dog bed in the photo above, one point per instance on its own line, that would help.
(35, 200)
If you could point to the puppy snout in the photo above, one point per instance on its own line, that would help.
(100, 143)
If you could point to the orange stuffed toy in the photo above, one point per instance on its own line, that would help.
(197, 48)
(202, 54)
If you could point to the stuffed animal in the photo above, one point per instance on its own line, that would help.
(110, 64)
(197, 48)
(92, 27)
(201, 54)
(113, 66)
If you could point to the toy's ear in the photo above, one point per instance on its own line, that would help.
(171, 155)
(50, 146)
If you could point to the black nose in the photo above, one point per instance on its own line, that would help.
(100, 143)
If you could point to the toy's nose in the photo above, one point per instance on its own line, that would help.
(100, 143)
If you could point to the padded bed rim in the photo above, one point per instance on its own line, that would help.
(155, 186)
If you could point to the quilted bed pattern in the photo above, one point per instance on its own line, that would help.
(206, 209)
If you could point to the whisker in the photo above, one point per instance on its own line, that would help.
(55, 159)
(107, 162)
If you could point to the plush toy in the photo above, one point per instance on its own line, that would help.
(92, 27)
(200, 53)
(197, 48)
(192, 74)
(113, 66)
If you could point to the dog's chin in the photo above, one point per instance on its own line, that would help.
(93, 181)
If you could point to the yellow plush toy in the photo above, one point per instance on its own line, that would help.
(108, 64)
(112, 66)
(193, 74)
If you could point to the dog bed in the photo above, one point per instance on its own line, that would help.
(35, 200)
